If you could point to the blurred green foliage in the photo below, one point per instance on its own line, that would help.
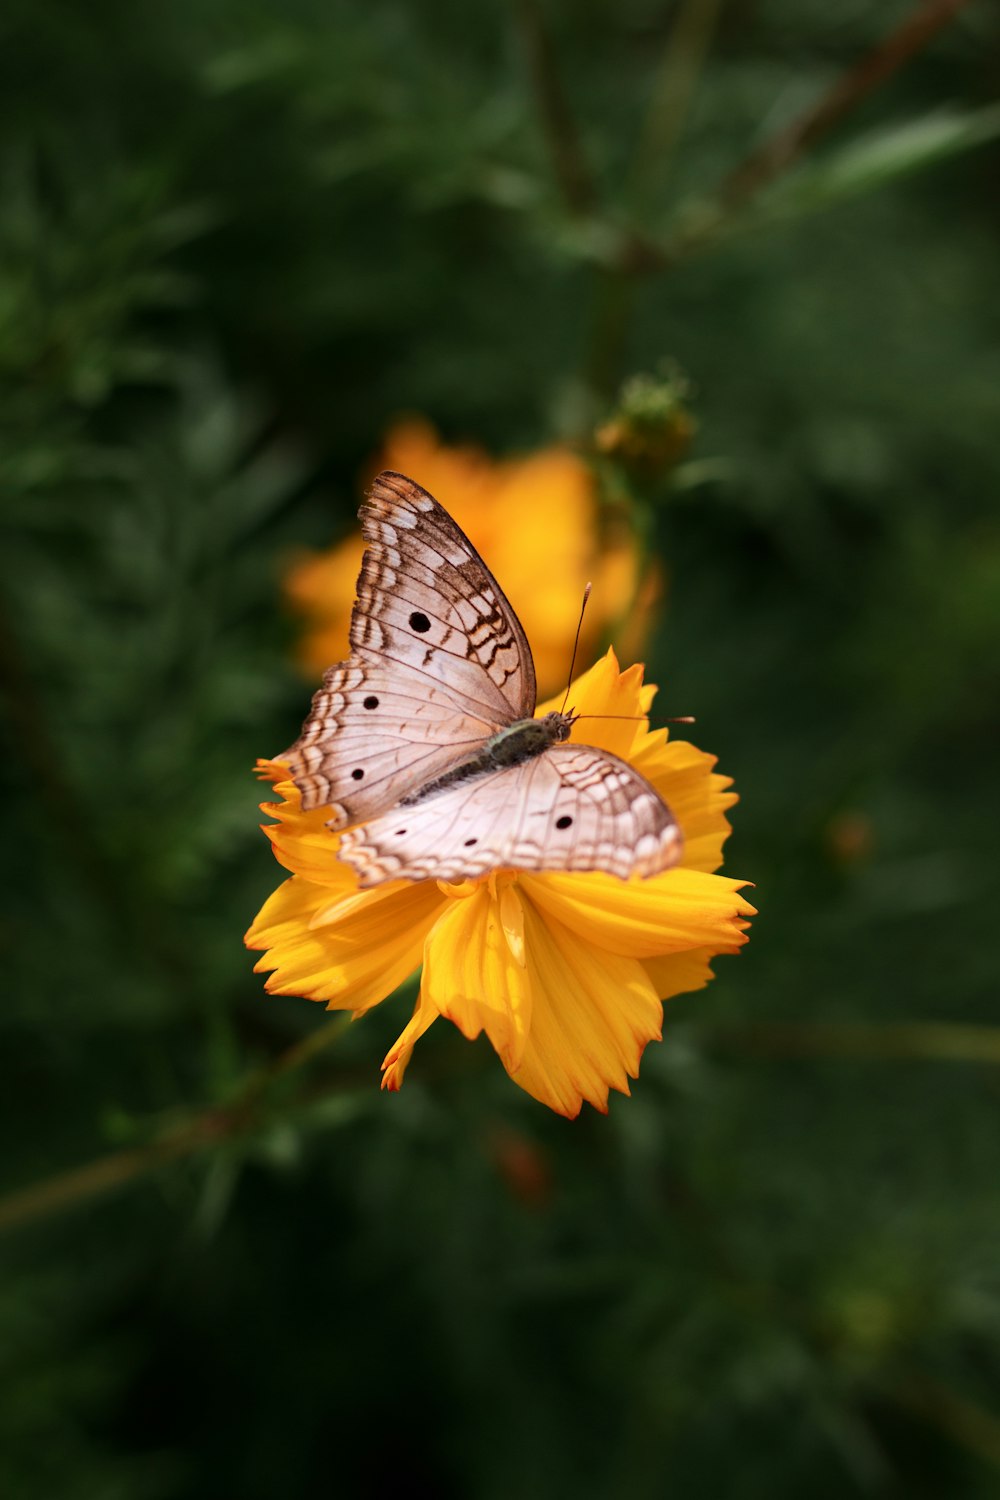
(235, 241)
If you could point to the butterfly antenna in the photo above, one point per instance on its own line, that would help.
(576, 644)
(677, 719)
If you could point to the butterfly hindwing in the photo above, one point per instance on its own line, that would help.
(572, 808)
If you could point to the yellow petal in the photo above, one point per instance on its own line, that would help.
(301, 840)
(643, 918)
(645, 595)
(355, 902)
(397, 1059)
(681, 973)
(512, 922)
(285, 914)
(548, 497)
(593, 1014)
(462, 479)
(321, 587)
(695, 794)
(471, 973)
(353, 964)
(605, 690)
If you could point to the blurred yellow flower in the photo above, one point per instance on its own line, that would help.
(564, 973)
(537, 520)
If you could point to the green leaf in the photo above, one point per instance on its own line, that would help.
(877, 158)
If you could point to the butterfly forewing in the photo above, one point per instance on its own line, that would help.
(571, 808)
(427, 600)
(439, 663)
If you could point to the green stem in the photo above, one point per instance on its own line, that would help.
(614, 299)
(96, 1178)
(676, 81)
(964, 1421)
(929, 1040)
(713, 217)
(205, 1128)
(780, 150)
(568, 161)
(934, 1041)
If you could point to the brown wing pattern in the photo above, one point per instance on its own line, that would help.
(439, 663)
(571, 808)
(427, 599)
(392, 724)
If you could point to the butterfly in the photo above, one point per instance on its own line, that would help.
(423, 743)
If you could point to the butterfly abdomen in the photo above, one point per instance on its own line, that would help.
(510, 746)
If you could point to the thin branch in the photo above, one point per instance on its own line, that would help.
(31, 734)
(115, 1170)
(780, 150)
(207, 1127)
(933, 1041)
(914, 1040)
(568, 161)
(676, 81)
(964, 1421)
(776, 154)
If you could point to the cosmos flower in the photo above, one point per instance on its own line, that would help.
(565, 973)
(549, 497)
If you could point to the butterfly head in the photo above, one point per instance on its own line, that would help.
(558, 726)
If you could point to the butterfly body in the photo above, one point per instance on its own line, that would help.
(511, 746)
(527, 737)
(423, 744)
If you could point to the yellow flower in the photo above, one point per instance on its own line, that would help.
(564, 973)
(535, 518)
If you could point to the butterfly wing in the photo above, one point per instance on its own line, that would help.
(571, 808)
(375, 732)
(426, 599)
(439, 662)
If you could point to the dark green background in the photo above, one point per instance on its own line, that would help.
(237, 240)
